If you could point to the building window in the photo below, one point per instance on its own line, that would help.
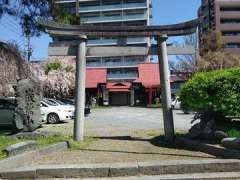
(232, 45)
(230, 21)
(231, 33)
(135, 1)
(229, 8)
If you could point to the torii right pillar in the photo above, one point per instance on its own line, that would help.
(165, 88)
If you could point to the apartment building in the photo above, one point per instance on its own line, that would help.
(122, 69)
(223, 16)
(114, 12)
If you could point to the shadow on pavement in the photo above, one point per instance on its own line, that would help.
(156, 141)
(147, 153)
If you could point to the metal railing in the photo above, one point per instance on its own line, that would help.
(100, 19)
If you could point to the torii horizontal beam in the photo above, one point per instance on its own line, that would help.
(58, 29)
(110, 51)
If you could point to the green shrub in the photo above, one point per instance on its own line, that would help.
(53, 66)
(216, 91)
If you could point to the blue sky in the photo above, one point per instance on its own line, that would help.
(164, 12)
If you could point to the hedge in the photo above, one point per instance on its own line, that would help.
(215, 91)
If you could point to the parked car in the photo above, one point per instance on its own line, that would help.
(58, 102)
(53, 113)
(176, 104)
(7, 109)
(87, 110)
(68, 101)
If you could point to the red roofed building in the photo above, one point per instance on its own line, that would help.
(141, 91)
(147, 85)
(149, 75)
(95, 77)
(119, 93)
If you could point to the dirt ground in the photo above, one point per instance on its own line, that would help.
(120, 149)
(123, 135)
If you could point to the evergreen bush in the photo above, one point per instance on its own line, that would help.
(216, 92)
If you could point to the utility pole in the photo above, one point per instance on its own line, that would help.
(29, 49)
(165, 88)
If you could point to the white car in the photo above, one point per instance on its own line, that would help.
(176, 104)
(59, 103)
(69, 103)
(53, 113)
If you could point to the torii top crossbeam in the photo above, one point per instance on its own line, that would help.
(58, 29)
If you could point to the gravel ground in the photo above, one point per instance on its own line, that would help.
(123, 136)
(122, 121)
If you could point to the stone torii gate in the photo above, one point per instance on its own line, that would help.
(78, 47)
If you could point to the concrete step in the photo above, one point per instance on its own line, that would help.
(197, 176)
(183, 167)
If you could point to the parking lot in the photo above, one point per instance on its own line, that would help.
(123, 121)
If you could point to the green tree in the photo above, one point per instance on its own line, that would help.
(214, 56)
(28, 13)
(186, 63)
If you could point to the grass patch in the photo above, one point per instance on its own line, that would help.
(233, 133)
(158, 133)
(6, 141)
(81, 145)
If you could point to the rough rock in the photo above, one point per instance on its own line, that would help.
(219, 135)
(207, 133)
(195, 131)
(232, 143)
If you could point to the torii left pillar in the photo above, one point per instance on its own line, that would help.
(80, 85)
(165, 88)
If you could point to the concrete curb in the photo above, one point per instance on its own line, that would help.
(21, 159)
(217, 151)
(123, 169)
(20, 148)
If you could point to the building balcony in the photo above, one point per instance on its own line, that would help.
(112, 7)
(104, 19)
(107, 42)
(123, 76)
